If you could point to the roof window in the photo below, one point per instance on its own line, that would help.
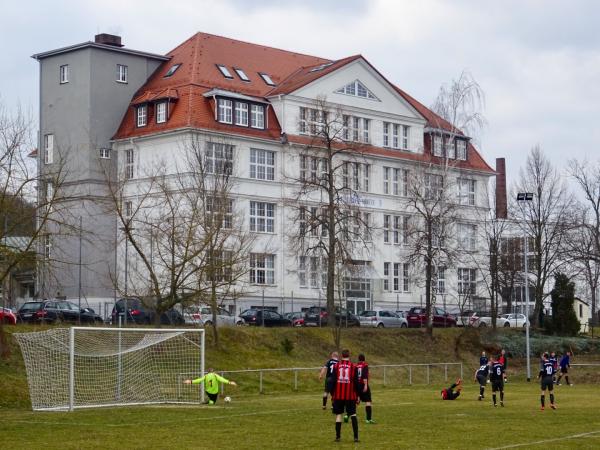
(172, 70)
(242, 74)
(321, 67)
(267, 79)
(225, 71)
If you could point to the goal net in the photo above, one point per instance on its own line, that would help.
(79, 367)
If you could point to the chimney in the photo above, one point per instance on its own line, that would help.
(501, 205)
(108, 39)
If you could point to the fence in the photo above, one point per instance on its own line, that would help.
(385, 374)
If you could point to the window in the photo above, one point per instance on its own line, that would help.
(49, 192)
(224, 108)
(242, 74)
(437, 146)
(302, 271)
(466, 191)
(219, 158)
(121, 73)
(359, 176)
(441, 280)
(220, 266)
(161, 112)
(262, 164)
(461, 149)
(310, 272)
(395, 229)
(434, 186)
(128, 209)
(64, 74)
(386, 228)
(219, 212)
(303, 121)
(257, 114)
(105, 153)
(386, 134)
(467, 238)
(357, 89)
(172, 70)
(356, 129)
(129, 164)
(47, 246)
(48, 148)
(313, 169)
(405, 131)
(241, 114)
(267, 79)
(262, 268)
(396, 277)
(386, 276)
(224, 71)
(450, 149)
(395, 136)
(311, 121)
(405, 277)
(467, 281)
(142, 115)
(395, 181)
(262, 217)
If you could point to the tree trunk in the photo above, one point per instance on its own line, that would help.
(213, 308)
(428, 305)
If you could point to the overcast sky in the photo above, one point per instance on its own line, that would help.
(538, 61)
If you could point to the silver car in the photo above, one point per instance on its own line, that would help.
(193, 315)
(382, 319)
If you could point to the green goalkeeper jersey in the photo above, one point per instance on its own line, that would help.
(211, 382)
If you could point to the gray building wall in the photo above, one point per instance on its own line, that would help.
(83, 115)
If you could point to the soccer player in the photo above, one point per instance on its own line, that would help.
(327, 372)
(364, 390)
(449, 394)
(481, 376)
(345, 393)
(565, 365)
(554, 360)
(497, 379)
(211, 384)
(547, 383)
(483, 359)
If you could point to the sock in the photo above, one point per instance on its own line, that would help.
(369, 411)
(494, 398)
(552, 399)
(481, 389)
(501, 396)
(354, 426)
(543, 399)
(338, 429)
(567, 378)
(324, 400)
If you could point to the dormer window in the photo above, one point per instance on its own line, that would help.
(142, 115)
(242, 74)
(461, 149)
(224, 71)
(172, 70)
(267, 79)
(437, 146)
(243, 113)
(224, 110)
(161, 112)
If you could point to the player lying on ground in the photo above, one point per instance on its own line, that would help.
(449, 394)
(327, 372)
(345, 393)
(211, 384)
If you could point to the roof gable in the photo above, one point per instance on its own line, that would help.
(357, 89)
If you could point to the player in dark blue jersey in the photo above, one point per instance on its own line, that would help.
(497, 379)
(483, 359)
(327, 373)
(565, 364)
(546, 377)
(364, 389)
(481, 376)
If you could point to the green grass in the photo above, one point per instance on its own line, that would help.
(408, 417)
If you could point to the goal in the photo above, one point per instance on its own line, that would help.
(83, 367)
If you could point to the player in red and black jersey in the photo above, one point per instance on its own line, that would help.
(345, 393)
(327, 372)
(364, 390)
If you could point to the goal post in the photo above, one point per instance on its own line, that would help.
(87, 367)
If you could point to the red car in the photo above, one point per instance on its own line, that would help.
(7, 316)
(297, 318)
(417, 317)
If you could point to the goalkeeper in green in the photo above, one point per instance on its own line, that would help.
(211, 384)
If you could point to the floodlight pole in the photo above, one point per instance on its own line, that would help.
(526, 196)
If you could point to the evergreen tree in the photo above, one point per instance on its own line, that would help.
(564, 320)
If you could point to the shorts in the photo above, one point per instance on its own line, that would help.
(213, 397)
(497, 385)
(482, 380)
(328, 384)
(339, 406)
(564, 370)
(365, 396)
(547, 383)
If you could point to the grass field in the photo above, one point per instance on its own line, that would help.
(408, 417)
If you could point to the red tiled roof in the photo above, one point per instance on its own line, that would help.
(198, 74)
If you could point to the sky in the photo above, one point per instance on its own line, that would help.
(537, 61)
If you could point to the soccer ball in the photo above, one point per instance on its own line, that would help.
(227, 399)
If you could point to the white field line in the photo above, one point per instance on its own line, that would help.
(564, 438)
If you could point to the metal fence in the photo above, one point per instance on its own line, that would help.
(385, 374)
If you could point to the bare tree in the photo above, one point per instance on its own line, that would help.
(545, 220)
(182, 226)
(333, 224)
(583, 241)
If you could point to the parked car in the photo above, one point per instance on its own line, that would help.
(465, 318)
(297, 318)
(202, 316)
(505, 320)
(417, 317)
(271, 318)
(514, 320)
(140, 313)
(382, 319)
(52, 311)
(317, 315)
(7, 316)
